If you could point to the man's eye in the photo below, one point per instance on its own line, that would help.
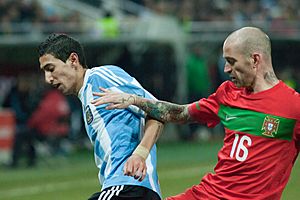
(231, 62)
(50, 69)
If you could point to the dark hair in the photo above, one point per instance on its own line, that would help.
(61, 46)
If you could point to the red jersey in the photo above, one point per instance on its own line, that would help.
(261, 144)
(51, 116)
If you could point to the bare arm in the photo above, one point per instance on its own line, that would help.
(136, 164)
(153, 130)
(160, 110)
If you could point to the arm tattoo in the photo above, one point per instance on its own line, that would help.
(165, 111)
(131, 97)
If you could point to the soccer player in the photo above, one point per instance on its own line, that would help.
(115, 134)
(261, 116)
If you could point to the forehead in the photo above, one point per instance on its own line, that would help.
(230, 49)
(48, 59)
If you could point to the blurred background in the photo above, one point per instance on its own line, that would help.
(169, 46)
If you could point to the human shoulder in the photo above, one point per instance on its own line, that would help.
(107, 70)
(290, 96)
(108, 76)
(228, 86)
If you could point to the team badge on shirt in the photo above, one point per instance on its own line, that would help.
(88, 115)
(270, 126)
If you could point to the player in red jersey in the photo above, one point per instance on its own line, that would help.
(261, 116)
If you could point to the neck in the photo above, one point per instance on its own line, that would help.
(268, 81)
(80, 80)
(270, 77)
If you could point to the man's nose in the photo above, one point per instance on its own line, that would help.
(48, 78)
(227, 68)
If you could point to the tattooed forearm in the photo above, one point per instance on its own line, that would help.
(165, 111)
(131, 98)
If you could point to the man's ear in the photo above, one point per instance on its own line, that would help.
(73, 59)
(256, 59)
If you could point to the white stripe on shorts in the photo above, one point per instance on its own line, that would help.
(122, 187)
(111, 190)
(108, 194)
(101, 195)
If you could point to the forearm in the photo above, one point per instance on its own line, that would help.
(153, 130)
(162, 110)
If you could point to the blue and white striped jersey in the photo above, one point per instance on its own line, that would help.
(115, 133)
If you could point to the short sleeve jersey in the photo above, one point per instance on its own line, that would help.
(115, 133)
(261, 144)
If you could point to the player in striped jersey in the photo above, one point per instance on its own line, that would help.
(261, 116)
(127, 164)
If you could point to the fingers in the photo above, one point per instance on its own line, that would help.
(127, 169)
(97, 101)
(106, 97)
(144, 172)
(112, 106)
(103, 89)
(135, 167)
(139, 175)
(99, 94)
(103, 93)
(115, 100)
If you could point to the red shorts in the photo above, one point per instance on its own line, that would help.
(197, 192)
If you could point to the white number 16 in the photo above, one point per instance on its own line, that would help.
(236, 149)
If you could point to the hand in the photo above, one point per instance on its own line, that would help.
(114, 99)
(135, 166)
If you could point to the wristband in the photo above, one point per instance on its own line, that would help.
(141, 151)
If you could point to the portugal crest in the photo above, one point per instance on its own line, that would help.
(270, 126)
(88, 115)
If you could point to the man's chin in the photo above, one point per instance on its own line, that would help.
(63, 91)
(66, 92)
(236, 83)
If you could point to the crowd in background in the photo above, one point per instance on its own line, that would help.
(278, 14)
(235, 10)
(26, 16)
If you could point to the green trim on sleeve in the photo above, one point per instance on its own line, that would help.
(197, 105)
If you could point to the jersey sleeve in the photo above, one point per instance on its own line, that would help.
(297, 135)
(116, 79)
(205, 111)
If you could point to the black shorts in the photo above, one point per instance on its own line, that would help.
(125, 192)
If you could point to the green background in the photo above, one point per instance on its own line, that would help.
(180, 165)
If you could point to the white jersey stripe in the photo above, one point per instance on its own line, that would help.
(114, 75)
(111, 77)
(104, 77)
(150, 170)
